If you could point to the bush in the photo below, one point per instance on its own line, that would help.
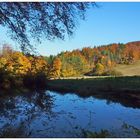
(99, 69)
(100, 134)
(6, 80)
(35, 81)
(112, 73)
(107, 73)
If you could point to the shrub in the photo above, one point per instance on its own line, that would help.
(101, 134)
(99, 69)
(112, 73)
(35, 81)
(6, 80)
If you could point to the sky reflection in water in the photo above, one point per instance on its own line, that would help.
(51, 114)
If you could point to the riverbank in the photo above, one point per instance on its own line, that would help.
(93, 85)
(120, 89)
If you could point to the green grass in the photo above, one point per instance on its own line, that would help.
(129, 70)
(125, 90)
(127, 83)
(101, 134)
(96, 85)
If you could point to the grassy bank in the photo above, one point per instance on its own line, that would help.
(129, 70)
(96, 85)
(120, 89)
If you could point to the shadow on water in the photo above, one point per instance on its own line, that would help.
(122, 99)
(52, 114)
(123, 90)
(23, 109)
(128, 101)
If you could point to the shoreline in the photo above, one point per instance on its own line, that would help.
(125, 90)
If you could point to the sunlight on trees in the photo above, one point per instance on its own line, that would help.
(17, 68)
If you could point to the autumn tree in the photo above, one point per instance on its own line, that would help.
(99, 69)
(55, 68)
(19, 63)
(38, 65)
(73, 63)
(88, 53)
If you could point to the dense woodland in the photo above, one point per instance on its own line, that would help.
(98, 60)
(18, 69)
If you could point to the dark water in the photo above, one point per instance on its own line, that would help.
(51, 114)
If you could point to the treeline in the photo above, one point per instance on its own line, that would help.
(96, 61)
(18, 69)
(29, 70)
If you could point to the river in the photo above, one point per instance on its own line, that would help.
(53, 114)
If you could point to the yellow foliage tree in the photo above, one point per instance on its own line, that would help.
(55, 68)
(68, 71)
(38, 64)
(99, 69)
(19, 63)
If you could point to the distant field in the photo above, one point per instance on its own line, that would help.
(125, 70)
(129, 70)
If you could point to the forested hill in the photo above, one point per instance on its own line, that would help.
(98, 60)
(134, 43)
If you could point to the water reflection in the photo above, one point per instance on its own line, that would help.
(20, 111)
(125, 99)
(51, 114)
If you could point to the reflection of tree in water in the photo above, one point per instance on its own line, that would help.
(7, 106)
(125, 99)
(19, 112)
(40, 101)
(130, 128)
(129, 100)
(126, 131)
(33, 114)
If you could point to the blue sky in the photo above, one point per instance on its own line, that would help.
(112, 22)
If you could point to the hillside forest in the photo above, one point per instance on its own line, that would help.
(18, 69)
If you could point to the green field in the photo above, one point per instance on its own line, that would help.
(96, 85)
(120, 89)
(128, 83)
(124, 89)
(129, 70)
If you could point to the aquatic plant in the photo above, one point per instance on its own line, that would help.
(101, 134)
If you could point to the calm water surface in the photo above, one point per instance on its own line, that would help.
(51, 114)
